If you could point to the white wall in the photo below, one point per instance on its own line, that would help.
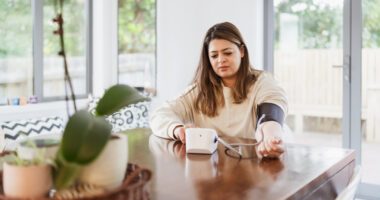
(181, 26)
(105, 49)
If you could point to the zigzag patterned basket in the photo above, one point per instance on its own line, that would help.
(134, 187)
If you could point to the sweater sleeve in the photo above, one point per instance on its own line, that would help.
(173, 113)
(269, 91)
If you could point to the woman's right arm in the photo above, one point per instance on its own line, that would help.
(173, 115)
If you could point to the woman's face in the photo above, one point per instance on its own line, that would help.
(225, 58)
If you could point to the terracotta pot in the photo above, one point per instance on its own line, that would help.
(33, 181)
(109, 169)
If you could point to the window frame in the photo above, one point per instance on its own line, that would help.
(38, 55)
(352, 48)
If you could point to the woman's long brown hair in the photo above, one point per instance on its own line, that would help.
(209, 84)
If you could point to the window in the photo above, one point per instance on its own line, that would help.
(16, 69)
(29, 63)
(75, 44)
(137, 43)
(308, 49)
(370, 91)
(311, 32)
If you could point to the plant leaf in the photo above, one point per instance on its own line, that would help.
(66, 174)
(84, 137)
(117, 97)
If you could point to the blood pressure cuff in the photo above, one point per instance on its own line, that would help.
(272, 112)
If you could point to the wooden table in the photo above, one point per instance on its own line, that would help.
(304, 172)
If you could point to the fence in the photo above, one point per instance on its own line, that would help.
(314, 87)
(16, 74)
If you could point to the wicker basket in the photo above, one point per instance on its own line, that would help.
(133, 187)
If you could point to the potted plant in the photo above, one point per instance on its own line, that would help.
(86, 134)
(108, 170)
(29, 148)
(27, 178)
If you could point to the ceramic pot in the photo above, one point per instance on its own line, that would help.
(32, 181)
(24, 151)
(108, 170)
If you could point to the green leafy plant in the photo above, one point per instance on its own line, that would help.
(38, 158)
(86, 135)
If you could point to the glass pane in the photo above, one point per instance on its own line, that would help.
(137, 43)
(75, 44)
(16, 64)
(307, 58)
(371, 91)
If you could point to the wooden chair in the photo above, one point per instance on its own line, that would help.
(349, 192)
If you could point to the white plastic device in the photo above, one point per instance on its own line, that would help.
(201, 140)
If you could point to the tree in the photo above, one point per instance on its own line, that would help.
(137, 26)
(15, 29)
(320, 25)
(371, 28)
(321, 22)
(16, 33)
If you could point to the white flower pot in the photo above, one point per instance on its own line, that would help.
(33, 181)
(108, 170)
(28, 153)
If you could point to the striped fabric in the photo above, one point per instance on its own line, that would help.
(15, 130)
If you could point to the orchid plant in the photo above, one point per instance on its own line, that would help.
(85, 134)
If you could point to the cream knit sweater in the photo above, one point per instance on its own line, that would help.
(232, 120)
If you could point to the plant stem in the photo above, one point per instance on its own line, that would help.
(60, 32)
(67, 75)
(66, 175)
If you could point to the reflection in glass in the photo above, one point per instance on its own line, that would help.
(16, 64)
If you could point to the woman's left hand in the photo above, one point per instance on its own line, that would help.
(272, 145)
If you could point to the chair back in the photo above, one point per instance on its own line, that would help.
(349, 192)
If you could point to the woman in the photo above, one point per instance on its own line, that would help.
(227, 95)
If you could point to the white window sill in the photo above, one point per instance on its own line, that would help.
(46, 109)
